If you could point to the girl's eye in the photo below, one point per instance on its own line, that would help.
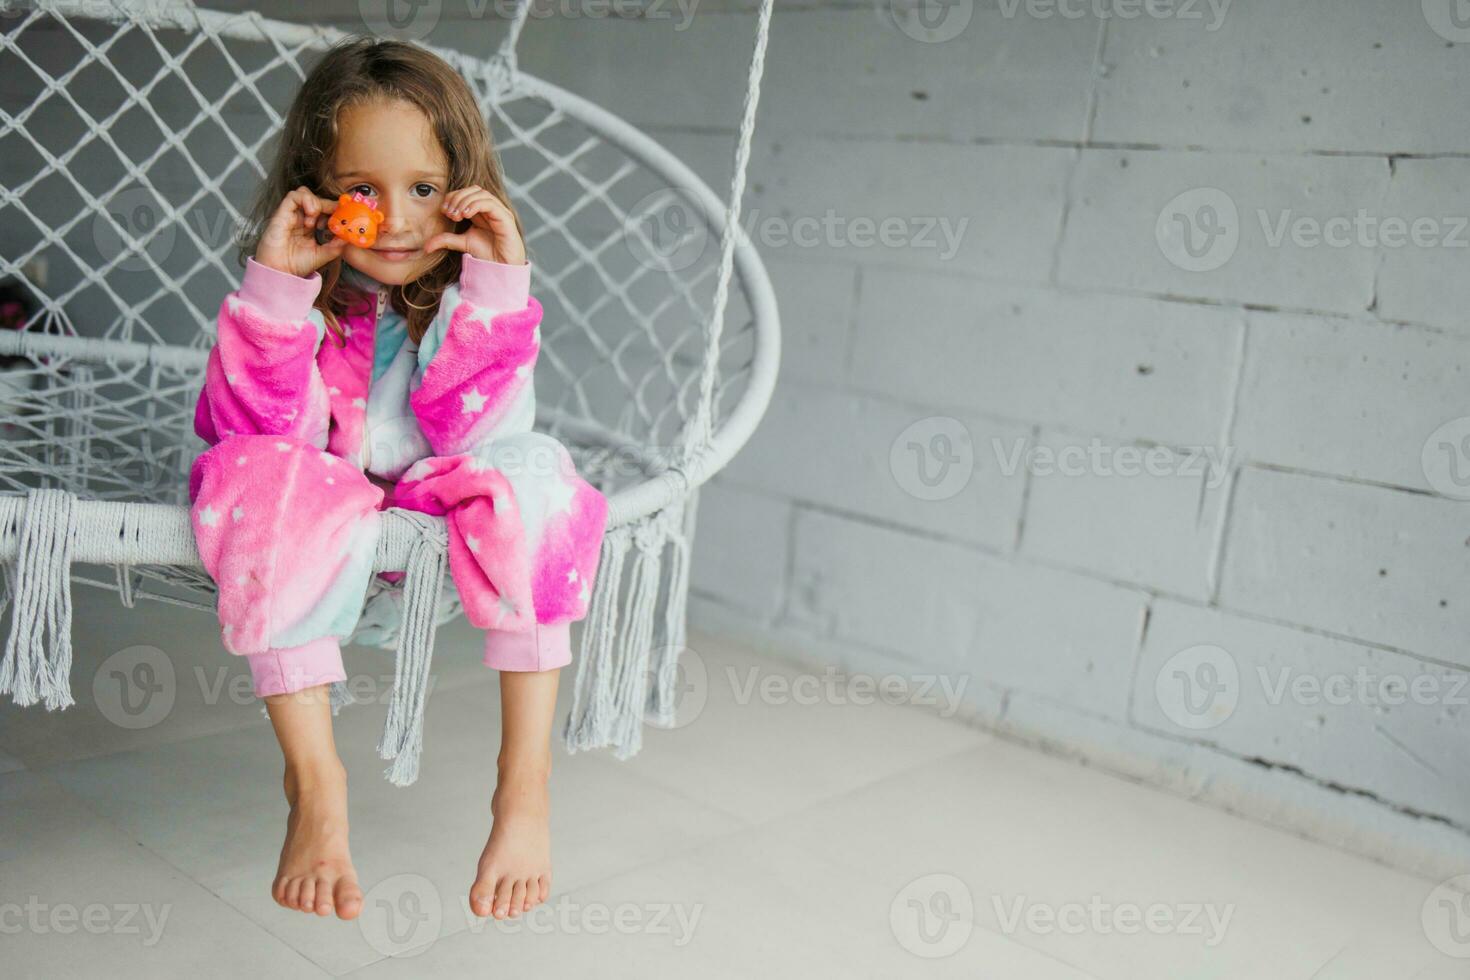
(427, 189)
(365, 188)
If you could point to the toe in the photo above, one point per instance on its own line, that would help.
(278, 889)
(307, 898)
(518, 898)
(502, 896)
(544, 884)
(293, 893)
(324, 885)
(348, 897)
(482, 894)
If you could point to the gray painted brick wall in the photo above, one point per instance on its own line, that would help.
(1187, 626)
(1081, 607)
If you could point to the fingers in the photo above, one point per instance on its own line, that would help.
(455, 199)
(302, 206)
(447, 239)
(469, 201)
(491, 216)
(487, 210)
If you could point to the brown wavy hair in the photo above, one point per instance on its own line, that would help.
(363, 69)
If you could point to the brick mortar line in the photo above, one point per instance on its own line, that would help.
(1148, 593)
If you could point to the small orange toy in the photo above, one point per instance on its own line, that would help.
(356, 219)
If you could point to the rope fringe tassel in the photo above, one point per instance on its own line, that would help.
(41, 597)
(403, 733)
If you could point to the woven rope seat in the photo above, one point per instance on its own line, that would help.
(131, 136)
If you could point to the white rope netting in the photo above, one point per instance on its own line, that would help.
(132, 136)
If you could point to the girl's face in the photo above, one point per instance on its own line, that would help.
(388, 149)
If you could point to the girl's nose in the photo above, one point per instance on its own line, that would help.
(395, 218)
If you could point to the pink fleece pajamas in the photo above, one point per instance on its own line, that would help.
(284, 513)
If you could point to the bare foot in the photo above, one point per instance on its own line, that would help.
(316, 872)
(515, 867)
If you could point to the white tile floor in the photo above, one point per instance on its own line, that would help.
(760, 839)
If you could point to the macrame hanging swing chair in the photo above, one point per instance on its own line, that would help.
(131, 128)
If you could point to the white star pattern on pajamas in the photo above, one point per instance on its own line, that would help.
(283, 446)
(334, 390)
(237, 513)
(503, 606)
(582, 595)
(572, 575)
(231, 377)
(472, 542)
(359, 403)
(481, 315)
(473, 401)
(559, 497)
(234, 304)
(240, 461)
(208, 517)
(346, 330)
(521, 371)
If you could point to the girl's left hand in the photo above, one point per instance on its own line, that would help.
(492, 233)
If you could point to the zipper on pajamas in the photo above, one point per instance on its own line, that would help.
(365, 453)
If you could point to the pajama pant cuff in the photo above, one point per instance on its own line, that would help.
(545, 646)
(286, 670)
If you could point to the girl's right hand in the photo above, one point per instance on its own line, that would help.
(289, 244)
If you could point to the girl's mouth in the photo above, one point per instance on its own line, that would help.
(396, 254)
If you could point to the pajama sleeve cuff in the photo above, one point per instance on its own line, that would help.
(498, 285)
(542, 647)
(279, 295)
(286, 670)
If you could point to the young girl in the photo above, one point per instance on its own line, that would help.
(348, 379)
